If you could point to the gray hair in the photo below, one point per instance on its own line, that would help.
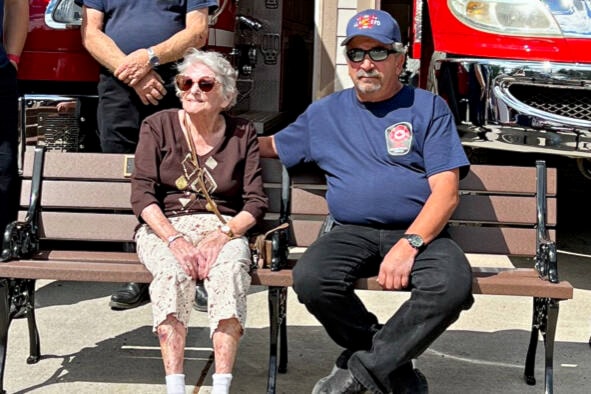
(220, 66)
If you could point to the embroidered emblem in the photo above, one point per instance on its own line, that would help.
(367, 21)
(399, 138)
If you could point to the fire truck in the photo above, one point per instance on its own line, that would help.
(515, 73)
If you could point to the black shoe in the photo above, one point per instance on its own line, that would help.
(340, 381)
(412, 383)
(130, 296)
(200, 303)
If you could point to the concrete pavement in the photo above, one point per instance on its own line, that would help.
(87, 348)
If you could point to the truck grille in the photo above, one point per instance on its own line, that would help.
(570, 103)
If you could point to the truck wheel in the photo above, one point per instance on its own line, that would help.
(584, 166)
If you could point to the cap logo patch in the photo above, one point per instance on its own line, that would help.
(399, 138)
(367, 21)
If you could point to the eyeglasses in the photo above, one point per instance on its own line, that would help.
(185, 83)
(356, 55)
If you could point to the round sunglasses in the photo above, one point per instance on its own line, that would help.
(379, 54)
(205, 84)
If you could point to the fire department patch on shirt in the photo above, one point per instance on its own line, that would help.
(399, 138)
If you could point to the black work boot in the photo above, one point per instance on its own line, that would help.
(130, 296)
(200, 303)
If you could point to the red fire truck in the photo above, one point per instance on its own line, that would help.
(516, 73)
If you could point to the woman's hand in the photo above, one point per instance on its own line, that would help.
(187, 255)
(209, 249)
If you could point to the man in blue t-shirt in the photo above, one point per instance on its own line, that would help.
(392, 159)
(137, 44)
(14, 23)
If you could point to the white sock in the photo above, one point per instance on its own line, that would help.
(175, 384)
(221, 383)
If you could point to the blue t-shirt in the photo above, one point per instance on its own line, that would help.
(135, 24)
(376, 156)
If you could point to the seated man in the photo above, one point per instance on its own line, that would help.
(392, 159)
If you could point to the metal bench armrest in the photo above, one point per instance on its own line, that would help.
(21, 239)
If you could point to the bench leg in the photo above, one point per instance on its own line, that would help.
(4, 325)
(278, 333)
(549, 335)
(545, 320)
(34, 343)
(530, 360)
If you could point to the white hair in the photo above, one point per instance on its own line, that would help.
(221, 67)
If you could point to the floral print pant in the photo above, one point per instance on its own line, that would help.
(172, 291)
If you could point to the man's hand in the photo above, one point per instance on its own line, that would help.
(150, 88)
(396, 266)
(134, 67)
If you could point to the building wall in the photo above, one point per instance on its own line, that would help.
(330, 67)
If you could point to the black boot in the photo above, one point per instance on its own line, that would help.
(129, 296)
(200, 303)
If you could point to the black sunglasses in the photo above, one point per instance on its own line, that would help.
(185, 83)
(356, 55)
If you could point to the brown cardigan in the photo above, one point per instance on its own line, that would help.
(234, 165)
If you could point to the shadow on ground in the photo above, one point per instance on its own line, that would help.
(459, 361)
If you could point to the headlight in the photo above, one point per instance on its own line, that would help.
(509, 17)
(61, 14)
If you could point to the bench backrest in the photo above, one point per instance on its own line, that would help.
(85, 196)
(497, 212)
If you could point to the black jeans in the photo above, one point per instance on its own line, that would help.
(8, 146)
(120, 111)
(440, 286)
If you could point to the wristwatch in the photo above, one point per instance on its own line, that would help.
(415, 240)
(153, 59)
(227, 230)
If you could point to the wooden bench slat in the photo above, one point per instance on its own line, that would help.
(502, 209)
(473, 208)
(506, 179)
(511, 241)
(481, 178)
(76, 271)
(73, 165)
(81, 195)
(503, 240)
(87, 226)
(88, 256)
(89, 195)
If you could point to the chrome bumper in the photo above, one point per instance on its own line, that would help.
(518, 106)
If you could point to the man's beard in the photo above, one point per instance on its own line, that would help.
(365, 86)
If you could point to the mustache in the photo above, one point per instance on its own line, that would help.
(367, 74)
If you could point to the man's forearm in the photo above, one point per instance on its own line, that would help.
(103, 49)
(194, 35)
(15, 30)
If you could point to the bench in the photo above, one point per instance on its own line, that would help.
(76, 224)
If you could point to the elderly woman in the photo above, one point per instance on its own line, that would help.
(197, 189)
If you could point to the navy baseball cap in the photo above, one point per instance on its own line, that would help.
(376, 24)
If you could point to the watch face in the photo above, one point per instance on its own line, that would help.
(415, 240)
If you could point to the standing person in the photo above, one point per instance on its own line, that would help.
(189, 162)
(392, 159)
(14, 24)
(137, 43)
